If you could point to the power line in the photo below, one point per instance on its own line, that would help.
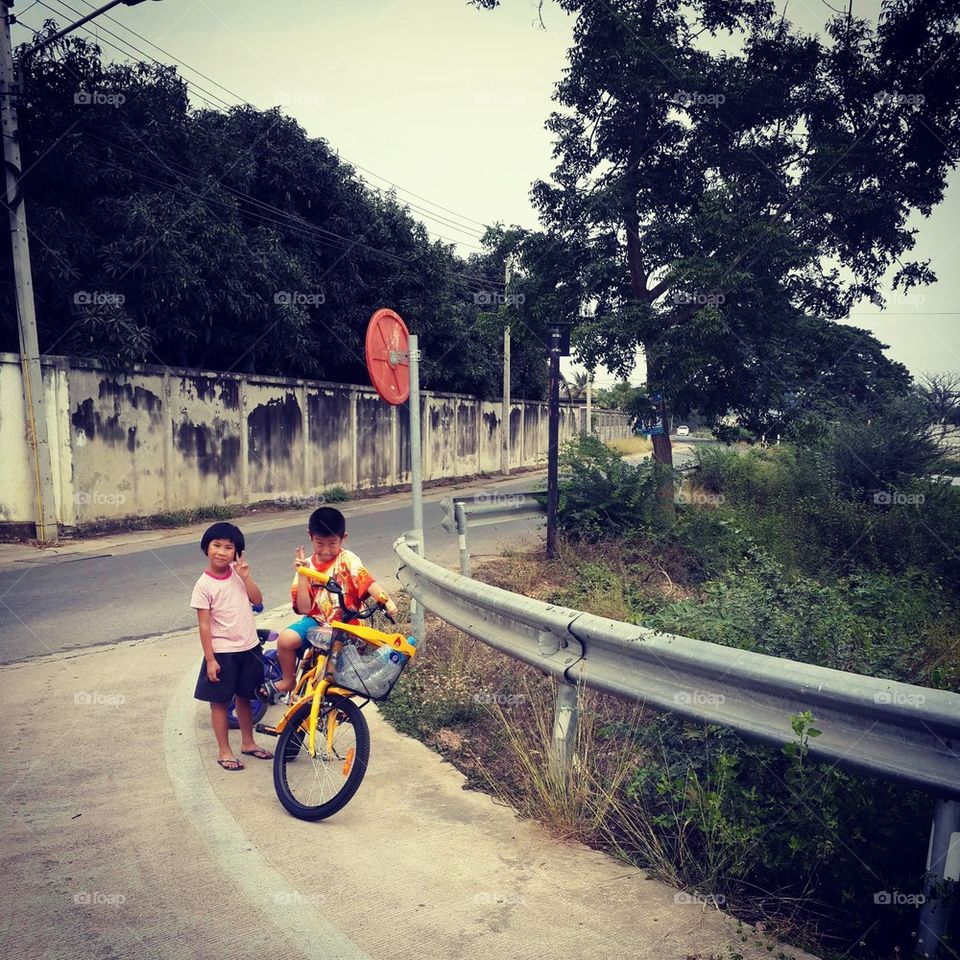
(267, 213)
(289, 221)
(461, 228)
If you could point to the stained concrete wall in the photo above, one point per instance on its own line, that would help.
(157, 439)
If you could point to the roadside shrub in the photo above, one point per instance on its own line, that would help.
(600, 494)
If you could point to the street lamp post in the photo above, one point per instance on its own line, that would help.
(45, 516)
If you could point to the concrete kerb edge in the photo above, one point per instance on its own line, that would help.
(234, 852)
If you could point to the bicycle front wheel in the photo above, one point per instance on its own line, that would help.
(314, 788)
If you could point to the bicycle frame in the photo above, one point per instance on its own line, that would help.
(317, 689)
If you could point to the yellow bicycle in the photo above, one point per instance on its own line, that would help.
(324, 740)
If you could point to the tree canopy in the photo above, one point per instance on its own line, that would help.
(728, 187)
(164, 234)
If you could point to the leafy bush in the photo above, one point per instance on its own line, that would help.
(600, 494)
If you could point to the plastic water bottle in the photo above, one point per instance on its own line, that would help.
(379, 672)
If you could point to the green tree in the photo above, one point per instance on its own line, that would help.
(728, 187)
(162, 234)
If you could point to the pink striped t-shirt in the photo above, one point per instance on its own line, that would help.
(231, 618)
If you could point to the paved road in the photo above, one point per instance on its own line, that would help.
(134, 588)
(122, 838)
(127, 588)
(125, 839)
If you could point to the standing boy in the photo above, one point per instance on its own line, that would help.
(232, 660)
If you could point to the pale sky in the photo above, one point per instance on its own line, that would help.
(448, 102)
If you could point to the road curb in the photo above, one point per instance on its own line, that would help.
(233, 852)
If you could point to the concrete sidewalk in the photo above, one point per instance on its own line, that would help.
(123, 838)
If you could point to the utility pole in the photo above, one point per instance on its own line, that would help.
(505, 412)
(553, 442)
(589, 429)
(32, 373)
(36, 422)
(417, 621)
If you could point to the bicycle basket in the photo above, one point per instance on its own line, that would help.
(371, 675)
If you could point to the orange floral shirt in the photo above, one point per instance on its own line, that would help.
(354, 579)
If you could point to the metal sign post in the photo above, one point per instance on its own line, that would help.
(416, 478)
(393, 361)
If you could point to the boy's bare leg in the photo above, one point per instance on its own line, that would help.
(221, 729)
(245, 719)
(288, 643)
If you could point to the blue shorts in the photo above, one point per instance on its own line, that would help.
(300, 627)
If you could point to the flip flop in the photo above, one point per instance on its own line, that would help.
(231, 765)
(259, 753)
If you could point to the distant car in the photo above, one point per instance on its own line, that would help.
(683, 431)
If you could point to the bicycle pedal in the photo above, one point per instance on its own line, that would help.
(265, 728)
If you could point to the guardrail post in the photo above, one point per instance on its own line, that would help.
(461, 517)
(566, 715)
(943, 872)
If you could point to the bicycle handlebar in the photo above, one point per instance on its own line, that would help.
(331, 585)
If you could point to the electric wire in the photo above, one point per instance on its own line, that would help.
(206, 94)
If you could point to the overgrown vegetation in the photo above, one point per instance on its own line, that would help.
(817, 554)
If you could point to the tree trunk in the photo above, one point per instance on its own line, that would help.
(662, 448)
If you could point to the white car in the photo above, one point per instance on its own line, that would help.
(683, 431)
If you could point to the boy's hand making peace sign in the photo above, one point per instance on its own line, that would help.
(300, 560)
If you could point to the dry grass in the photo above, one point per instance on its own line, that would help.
(630, 446)
(493, 718)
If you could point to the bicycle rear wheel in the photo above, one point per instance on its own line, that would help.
(314, 788)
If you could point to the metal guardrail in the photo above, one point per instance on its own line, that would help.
(461, 513)
(897, 731)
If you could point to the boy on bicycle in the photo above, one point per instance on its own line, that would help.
(232, 660)
(327, 529)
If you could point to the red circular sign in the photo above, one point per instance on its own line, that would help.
(388, 357)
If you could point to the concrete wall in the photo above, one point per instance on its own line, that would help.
(157, 439)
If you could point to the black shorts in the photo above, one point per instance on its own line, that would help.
(240, 675)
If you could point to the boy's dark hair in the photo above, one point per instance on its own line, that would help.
(223, 531)
(327, 522)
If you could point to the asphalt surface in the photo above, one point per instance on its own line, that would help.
(135, 586)
(130, 589)
(122, 838)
